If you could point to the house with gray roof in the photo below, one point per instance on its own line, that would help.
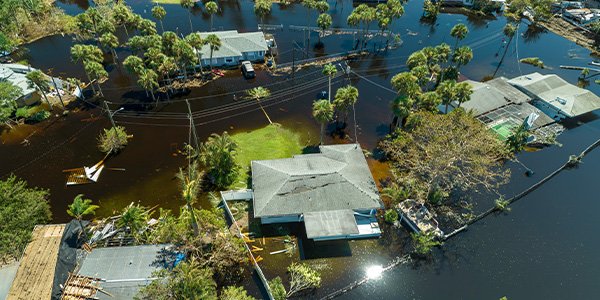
(235, 48)
(15, 74)
(555, 96)
(332, 192)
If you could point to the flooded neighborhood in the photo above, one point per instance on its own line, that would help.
(178, 149)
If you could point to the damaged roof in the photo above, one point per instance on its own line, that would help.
(335, 179)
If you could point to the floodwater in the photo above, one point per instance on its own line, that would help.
(543, 248)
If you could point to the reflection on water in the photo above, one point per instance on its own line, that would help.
(374, 272)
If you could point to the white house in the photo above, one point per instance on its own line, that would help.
(235, 48)
(332, 192)
(15, 73)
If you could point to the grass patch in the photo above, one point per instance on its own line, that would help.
(535, 61)
(271, 142)
(167, 1)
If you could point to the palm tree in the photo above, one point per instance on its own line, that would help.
(133, 64)
(406, 84)
(36, 79)
(367, 16)
(168, 40)
(344, 98)
(159, 13)
(111, 42)
(219, 157)
(211, 8)
(323, 22)
(196, 41)
(462, 56)
(329, 70)
(323, 112)
(509, 31)
(309, 4)
(429, 101)
(82, 53)
(147, 80)
(97, 72)
(190, 186)
(459, 31)
(353, 21)
(214, 42)
(262, 8)
(121, 15)
(166, 67)
(401, 107)
(194, 281)
(94, 16)
(80, 208)
(106, 27)
(133, 22)
(382, 15)
(396, 11)
(147, 27)
(187, 4)
(185, 55)
(447, 91)
(322, 6)
(258, 93)
(133, 217)
(463, 92)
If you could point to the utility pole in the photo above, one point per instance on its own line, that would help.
(293, 61)
(55, 87)
(193, 127)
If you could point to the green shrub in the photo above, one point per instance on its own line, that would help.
(391, 215)
(39, 116)
(277, 289)
(423, 243)
(22, 112)
(111, 141)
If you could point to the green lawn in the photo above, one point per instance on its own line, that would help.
(270, 142)
(167, 1)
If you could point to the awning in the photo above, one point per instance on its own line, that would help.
(330, 223)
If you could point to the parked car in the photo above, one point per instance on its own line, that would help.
(247, 69)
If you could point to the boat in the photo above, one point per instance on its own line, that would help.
(218, 72)
(418, 217)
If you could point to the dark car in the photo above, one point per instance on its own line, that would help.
(247, 69)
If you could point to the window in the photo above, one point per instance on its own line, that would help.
(260, 53)
(229, 59)
(27, 96)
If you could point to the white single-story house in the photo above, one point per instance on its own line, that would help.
(556, 97)
(15, 73)
(235, 48)
(332, 192)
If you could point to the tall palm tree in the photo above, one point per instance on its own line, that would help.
(382, 15)
(106, 27)
(459, 31)
(81, 207)
(353, 20)
(258, 93)
(396, 11)
(214, 42)
(166, 67)
(429, 101)
(159, 13)
(261, 9)
(447, 91)
(509, 31)
(367, 16)
(190, 186)
(323, 22)
(462, 56)
(168, 40)
(133, 64)
(344, 98)
(97, 72)
(83, 53)
(36, 79)
(401, 107)
(406, 84)
(309, 4)
(121, 15)
(185, 56)
(147, 27)
(187, 4)
(323, 112)
(111, 42)
(211, 8)
(95, 17)
(463, 92)
(133, 22)
(147, 81)
(329, 70)
(196, 41)
(321, 6)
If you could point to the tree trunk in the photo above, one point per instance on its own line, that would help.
(88, 76)
(184, 76)
(193, 217)
(153, 98)
(161, 26)
(44, 94)
(502, 59)
(329, 93)
(308, 45)
(211, 23)
(100, 89)
(211, 53)
(381, 39)
(190, 18)
(322, 130)
(127, 32)
(83, 229)
(261, 107)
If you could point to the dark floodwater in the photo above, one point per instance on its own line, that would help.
(543, 249)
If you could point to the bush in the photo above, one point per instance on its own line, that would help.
(277, 289)
(391, 215)
(235, 293)
(22, 112)
(111, 142)
(39, 116)
(501, 204)
(423, 243)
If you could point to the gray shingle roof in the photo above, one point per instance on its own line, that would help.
(330, 223)
(337, 178)
(234, 43)
(492, 94)
(556, 92)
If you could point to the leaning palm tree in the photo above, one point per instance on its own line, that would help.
(190, 186)
(214, 42)
(329, 70)
(211, 8)
(258, 93)
(36, 79)
(323, 112)
(80, 208)
(509, 31)
(187, 4)
(166, 67)
(97, 72)
(401, 107)
(159, 13)
(262, 8)
(459, 31)
(111, 42)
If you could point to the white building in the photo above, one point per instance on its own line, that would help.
(235, 48)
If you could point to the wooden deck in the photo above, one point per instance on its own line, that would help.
(35, 275)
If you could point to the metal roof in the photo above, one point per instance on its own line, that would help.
(491, 95)
(337, 178)
(559, 94)
(233, 44)
(330, 223)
